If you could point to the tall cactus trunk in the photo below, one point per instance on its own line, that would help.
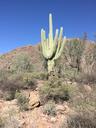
(52, 47)
(50, 65)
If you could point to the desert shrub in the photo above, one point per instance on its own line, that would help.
(88, 62)
(12, 82)
(43, 76)
(3, 75)
(9, 122)
(22, 101)
(15, 83)
(69, 64)
(9, 95)
(70, 74)
(73, 51)
(36, 75)
(9, 119)
(10, 85)
(29, 81)
(86, 78)
(22, 63)
(55, 90)
(40, 75)
(24, 81)
(17, 80)
(84, 99)
(1, 122)
(12, 123)
(2, 57)
(49, 108)
(81, 121)
(9, 91)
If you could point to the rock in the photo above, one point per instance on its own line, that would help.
(36, 104)
(87, 88)
(22, 124)
(53, 119)
(62, 109)
(74, 83)
(34, 100)
(13, 102)
(69, 82)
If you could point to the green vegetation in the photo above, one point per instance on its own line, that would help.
(89, 63)
(84, 99)
(49, 108)
(22, 63)
(55, 90)
(1, 123)
(73, 52)
(82, 120)
(50, 48)
(22, 101)
(36, 75)
(9, 119)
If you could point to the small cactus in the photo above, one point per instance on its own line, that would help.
(52, 47)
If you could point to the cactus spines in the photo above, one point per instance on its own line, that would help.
(52, 47)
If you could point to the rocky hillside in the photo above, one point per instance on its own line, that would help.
(76, 54)
(33, 52)
(31, 98)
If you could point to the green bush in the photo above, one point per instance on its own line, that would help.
(10, 85)
(1, 122)
(9, 95)
(22, 101)
(86, 78)
(22, 63)
(23, 81)
(9, 119)
(40, 75)
(3, 75)
(81, 121)
(29, 81)
(43, 76)
(73, 51)
(55, 90)
(70, 74)
(49, 108)
(88, 63)
(84, 99)
(14, 81)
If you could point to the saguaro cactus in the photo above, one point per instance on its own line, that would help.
(52, 47)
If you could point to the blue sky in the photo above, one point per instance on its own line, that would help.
(22, 20)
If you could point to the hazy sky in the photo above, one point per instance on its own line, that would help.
(22, 20)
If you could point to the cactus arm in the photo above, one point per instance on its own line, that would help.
(50, 29)
(60, 40)
(60, 50)
(43, 41)
(56, 37)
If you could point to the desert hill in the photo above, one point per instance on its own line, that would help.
(32, 51)
(32, 98)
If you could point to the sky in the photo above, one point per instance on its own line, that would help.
(21, 20)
